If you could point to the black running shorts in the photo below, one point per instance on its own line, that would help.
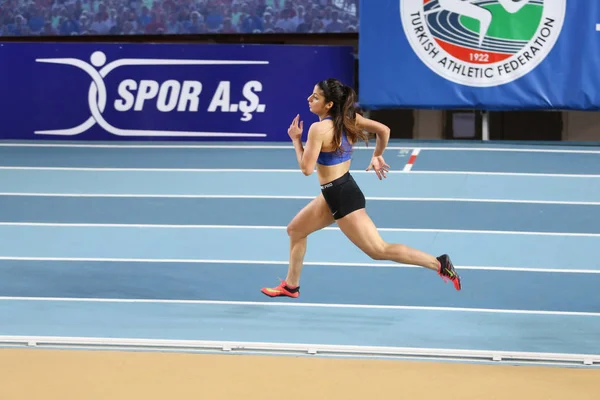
(343, 196)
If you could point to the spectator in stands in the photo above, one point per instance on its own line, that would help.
(84, 24)
(144, 18)
(157, 22)
(268, 25)
(252, 22)
(227, 27)
(335, 25)
(298, 18)
(318, 26)
(214, 16)
(48, 29)
(236, 14)
(101, 24)
(173, 25)
(286, 22)
(196, 24)
(36, 19)
(68, 24)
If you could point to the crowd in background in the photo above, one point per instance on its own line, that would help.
(134, 17)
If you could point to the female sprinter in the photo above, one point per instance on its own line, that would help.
(329, 146)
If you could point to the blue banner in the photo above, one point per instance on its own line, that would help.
(97, 91)
(480, 54)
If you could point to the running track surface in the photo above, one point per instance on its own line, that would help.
(174, 243)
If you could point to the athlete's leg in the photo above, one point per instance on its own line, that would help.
(313, 217)
(361, 231)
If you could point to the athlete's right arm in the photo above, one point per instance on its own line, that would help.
(306, 155)
(310, 152)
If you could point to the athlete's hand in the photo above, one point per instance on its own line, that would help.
(295, 129)
(379, 166)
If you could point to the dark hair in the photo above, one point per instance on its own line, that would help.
(343, 111)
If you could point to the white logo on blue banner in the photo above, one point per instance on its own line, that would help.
(170, 95)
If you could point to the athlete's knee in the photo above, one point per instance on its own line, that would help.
(294, 231)
(377, 251)
(378, 255)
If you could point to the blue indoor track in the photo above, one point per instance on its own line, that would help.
(168, 245)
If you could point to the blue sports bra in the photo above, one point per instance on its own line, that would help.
(336, 157)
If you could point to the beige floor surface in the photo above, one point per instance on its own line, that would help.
(43, 374)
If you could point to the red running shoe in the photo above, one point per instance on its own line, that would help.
(282, 290)
(447, 271)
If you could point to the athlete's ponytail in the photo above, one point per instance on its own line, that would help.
(343, 111)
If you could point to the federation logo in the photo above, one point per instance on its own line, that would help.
(482, 43)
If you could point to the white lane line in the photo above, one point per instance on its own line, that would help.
(290, 197)
(522, 149)
(274, 227)
(300, 305)
(285, 262)
(278, 170)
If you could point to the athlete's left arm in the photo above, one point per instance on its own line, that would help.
(380, 130)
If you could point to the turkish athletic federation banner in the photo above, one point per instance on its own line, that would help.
(480, 54)
(99, 91)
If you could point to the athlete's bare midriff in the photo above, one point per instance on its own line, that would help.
(328, 173)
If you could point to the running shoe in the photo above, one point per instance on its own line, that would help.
(282, 290)
(447, 271)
